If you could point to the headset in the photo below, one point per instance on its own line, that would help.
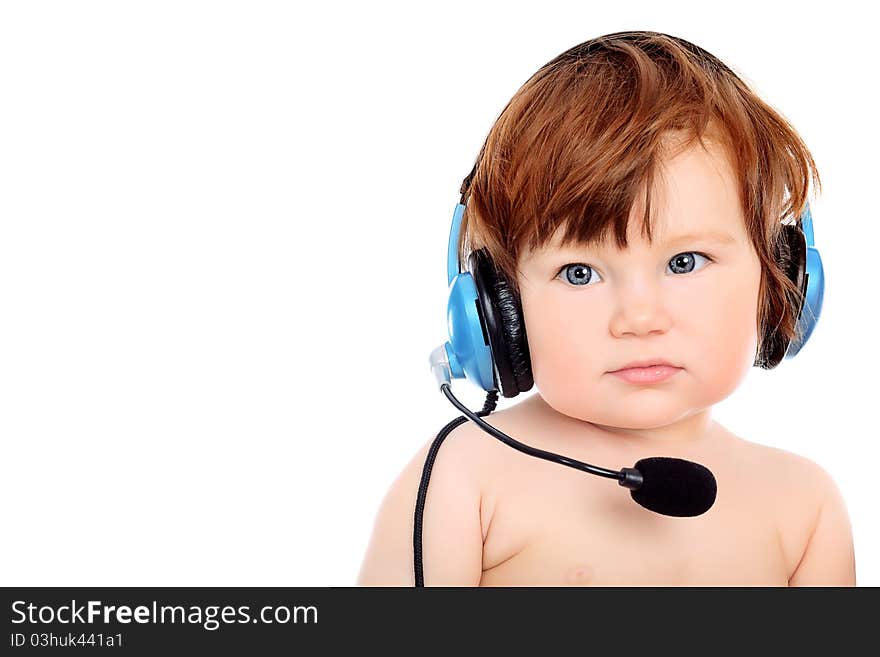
(487, 337)
(488, 346)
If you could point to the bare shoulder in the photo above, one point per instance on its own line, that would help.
(793, 476)
(452, 531)
(810, 512)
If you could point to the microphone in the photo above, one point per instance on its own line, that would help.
(664, 485)
(674, 487)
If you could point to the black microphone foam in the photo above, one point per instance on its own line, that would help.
(675, 487)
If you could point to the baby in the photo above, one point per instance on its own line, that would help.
(631, 194)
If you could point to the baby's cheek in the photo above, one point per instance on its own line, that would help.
(723, 358)
(564, 350)
(568, 374)
(573, 379)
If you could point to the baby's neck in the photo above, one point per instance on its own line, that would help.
(687, 434)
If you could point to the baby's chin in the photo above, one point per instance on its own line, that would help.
(632, 423)
(625, 414)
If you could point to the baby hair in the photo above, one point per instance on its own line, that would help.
(589, 132)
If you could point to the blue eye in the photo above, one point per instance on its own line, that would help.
(578, 273)
(684, 263)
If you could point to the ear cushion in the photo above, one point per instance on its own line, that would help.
(501, 311)
(791, 254)
(514, 334)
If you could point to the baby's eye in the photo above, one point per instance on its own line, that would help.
(578, 273)
(684, 263)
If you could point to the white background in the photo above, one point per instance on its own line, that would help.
(223, 235)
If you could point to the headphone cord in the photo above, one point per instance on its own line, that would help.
(488, 407)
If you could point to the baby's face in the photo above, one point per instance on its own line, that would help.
(690, 299)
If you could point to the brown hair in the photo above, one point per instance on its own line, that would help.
(589, 130)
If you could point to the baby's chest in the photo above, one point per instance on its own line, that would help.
(590, 534)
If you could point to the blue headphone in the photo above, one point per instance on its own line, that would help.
(487, 335)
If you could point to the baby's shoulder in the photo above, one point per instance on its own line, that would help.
(812, 520)
(792, 489)
(446, 472)
(784, 471)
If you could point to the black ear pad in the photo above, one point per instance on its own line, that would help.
(500, 310)
(791, 253)
(514, 335)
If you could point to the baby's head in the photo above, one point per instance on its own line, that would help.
(633, 193)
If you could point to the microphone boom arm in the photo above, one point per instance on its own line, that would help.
(627, 477)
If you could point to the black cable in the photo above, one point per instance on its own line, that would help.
(627, 477)
(527, 449)
(488, 407)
